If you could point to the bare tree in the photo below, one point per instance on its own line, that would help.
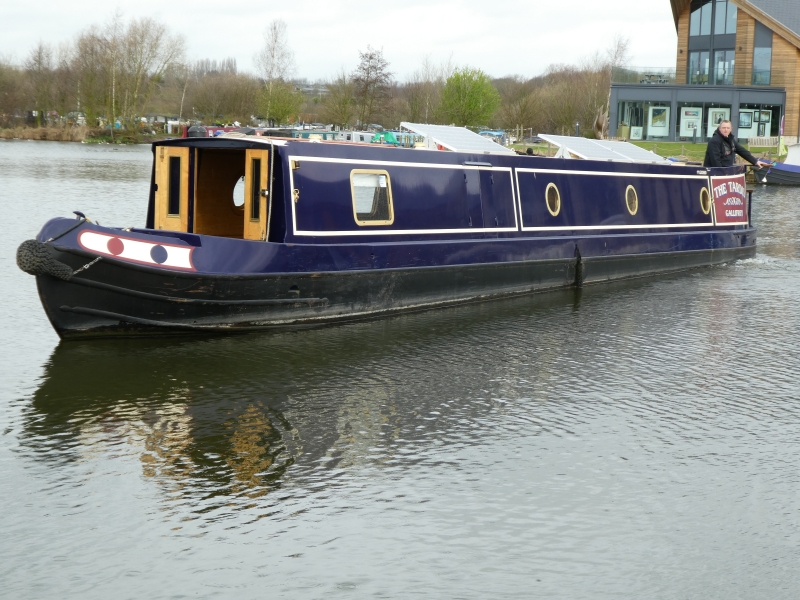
(147, 51)
(618, 54)
(371, 79)
(338, 105)
(93, 78)
(12, 82)
(424, 90)
(224, 97)
(275, 63)
(39, 68)
(521, 103)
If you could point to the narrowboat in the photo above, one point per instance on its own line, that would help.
(331, 231)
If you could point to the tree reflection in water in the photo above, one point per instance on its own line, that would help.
(220, 422)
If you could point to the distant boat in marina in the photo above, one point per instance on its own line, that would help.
(782, 173)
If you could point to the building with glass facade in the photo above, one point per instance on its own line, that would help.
(737, 60)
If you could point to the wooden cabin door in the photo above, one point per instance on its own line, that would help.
(256, 190)
(172, 189)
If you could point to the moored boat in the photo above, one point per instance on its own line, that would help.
(782, 173)
(331, 231)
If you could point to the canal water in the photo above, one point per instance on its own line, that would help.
(636, 440)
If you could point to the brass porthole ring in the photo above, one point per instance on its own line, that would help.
(705, 200)
(553, 199)
(632, 200)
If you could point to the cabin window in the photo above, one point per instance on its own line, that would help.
(632, 200)
(255, 190)
(372, 197)
(553, 199)
(705, 201)
(174, 197)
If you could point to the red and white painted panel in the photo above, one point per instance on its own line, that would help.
(730, 200)
(138, 251)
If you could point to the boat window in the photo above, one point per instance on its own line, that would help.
(632, 200)
(372, 197)
(174, 198)
(255, 190)
(705, 201)
(553, 199)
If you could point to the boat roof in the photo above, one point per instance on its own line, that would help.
(457, 139)
(587, 149)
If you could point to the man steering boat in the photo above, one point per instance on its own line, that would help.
(723, 148)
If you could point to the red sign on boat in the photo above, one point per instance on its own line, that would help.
(730, 200)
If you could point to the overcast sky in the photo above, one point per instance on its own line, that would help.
(502, 37)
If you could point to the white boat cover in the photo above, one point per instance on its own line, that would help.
(457, 139)
(793, 158)
(572, 147)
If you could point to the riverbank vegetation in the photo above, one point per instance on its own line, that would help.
(133, 75)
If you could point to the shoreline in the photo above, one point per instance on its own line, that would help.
(80, 134)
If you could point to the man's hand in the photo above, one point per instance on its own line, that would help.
(762, 164)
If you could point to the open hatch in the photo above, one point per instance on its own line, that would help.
(199, 190)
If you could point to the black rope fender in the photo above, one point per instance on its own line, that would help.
(36, 258)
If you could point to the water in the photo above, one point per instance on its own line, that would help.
(637, 440)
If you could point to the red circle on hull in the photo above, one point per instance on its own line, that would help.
(115, 246)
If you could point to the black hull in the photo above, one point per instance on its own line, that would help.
(117, 299)
(777, 177)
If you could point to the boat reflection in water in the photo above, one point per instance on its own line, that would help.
(222, 419)
(190, 413)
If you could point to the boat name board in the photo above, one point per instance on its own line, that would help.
(730, 200)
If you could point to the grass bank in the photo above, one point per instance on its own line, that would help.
(51, 134)
(680, 150)
(697, 152)
(89, 135)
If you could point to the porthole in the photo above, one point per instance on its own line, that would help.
(705, 201)
(553, 199)
(632, 200)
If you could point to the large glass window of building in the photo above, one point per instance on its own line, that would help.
(762, 56)
(725, 17)
(698, 68)
(722, 14)
(724, 61)
(700, 21)
(712, 58)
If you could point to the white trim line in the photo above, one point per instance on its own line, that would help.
(404, 231)
(396, 163)
(611, 174)
(516, 199)
(371, 231)
(599, 227)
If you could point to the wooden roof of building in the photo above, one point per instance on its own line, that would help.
(782, 16)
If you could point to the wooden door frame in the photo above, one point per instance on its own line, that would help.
(256, 229)
(164, 220)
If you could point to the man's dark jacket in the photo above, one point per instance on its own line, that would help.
(722, 151)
